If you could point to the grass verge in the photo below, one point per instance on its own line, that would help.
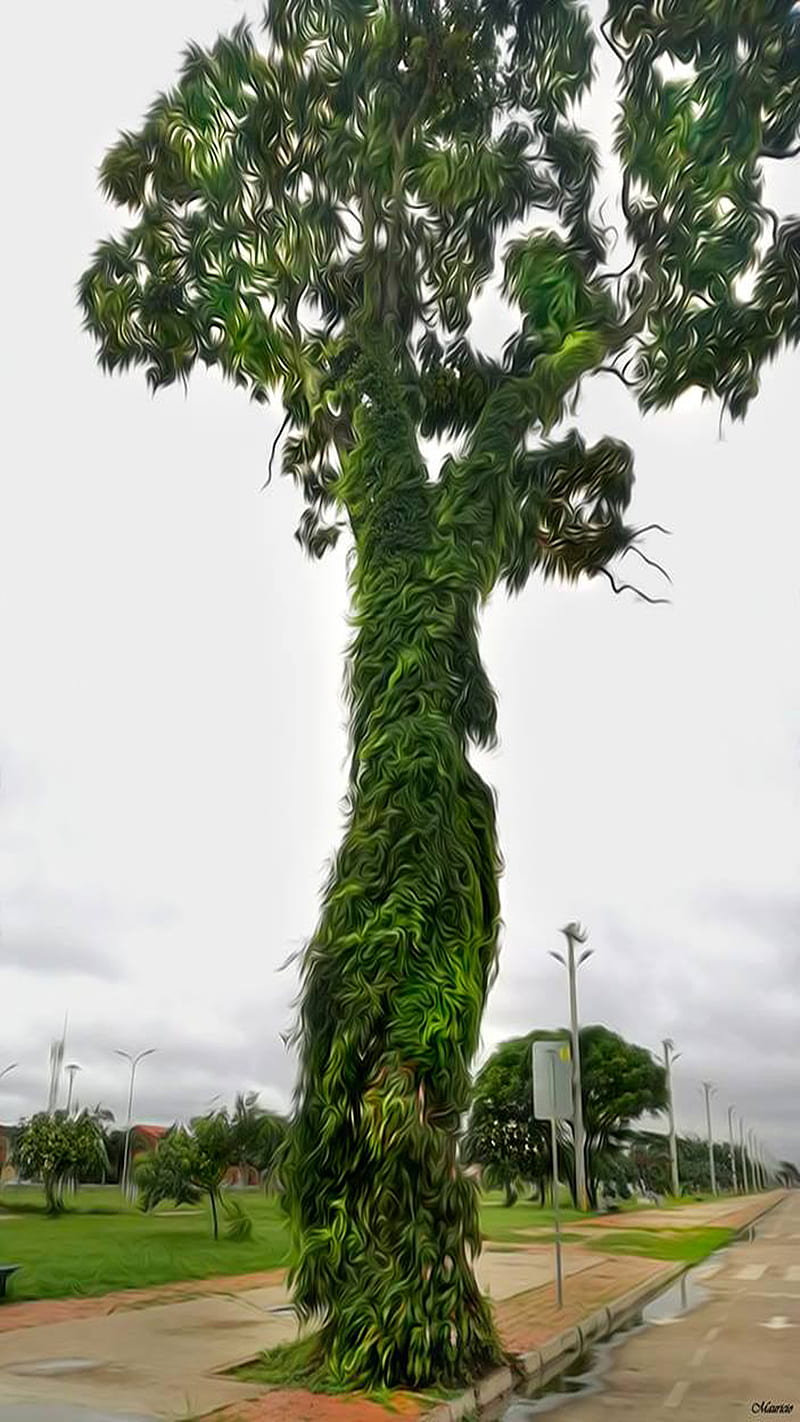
(688, 1245)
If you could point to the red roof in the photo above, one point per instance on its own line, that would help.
(153, 1132)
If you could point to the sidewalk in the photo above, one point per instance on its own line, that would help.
(167, 1353)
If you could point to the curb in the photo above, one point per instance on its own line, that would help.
(547, 1362)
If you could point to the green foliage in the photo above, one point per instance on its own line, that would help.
(57, 1148)
(257, 1138)
(317, 219)
(620, 1083)
(169, 1173)
(187, 1165)
(690, 1245)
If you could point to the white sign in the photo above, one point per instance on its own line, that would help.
(552, 1080)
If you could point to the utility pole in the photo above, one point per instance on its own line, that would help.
(733, 1149)
(669, 1058)
(134, 1062)
(709, 1089)
(575, 934)
(755, 1160)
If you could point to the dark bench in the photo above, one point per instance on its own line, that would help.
(6, 1270)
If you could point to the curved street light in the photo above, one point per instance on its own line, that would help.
(671, 1056)
(574, 933)
(71, 1069)
(731, 1110)
(709, 1092)
(134, 1062)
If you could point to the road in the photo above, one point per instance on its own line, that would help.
(736, 1355)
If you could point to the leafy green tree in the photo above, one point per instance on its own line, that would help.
(503, 1136)
(317, 218)
(58, 1148)
(620, 1083)
(187, 1165)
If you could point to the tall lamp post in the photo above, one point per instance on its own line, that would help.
(134, 1062)
(709, 1091)
(752, 1153)
(745, 1162)
(669, 1057)
(71, 1069)
(731, 1110)
(575, 934)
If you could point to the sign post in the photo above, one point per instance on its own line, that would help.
(552, 1100)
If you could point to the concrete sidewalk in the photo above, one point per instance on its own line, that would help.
(167, 1360)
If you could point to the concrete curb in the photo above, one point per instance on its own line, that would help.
(546, 1363)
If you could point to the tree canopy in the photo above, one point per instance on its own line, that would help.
(316, 218)
(57, 1148)
(621, 1082)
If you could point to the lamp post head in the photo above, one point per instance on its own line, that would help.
(575, 931)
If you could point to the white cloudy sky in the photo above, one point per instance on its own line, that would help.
(171, 734)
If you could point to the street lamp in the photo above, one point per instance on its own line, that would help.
(575, 934)
(71, 1070)
(731, 1110)
(134, 1062)
(753, 1170)
(11, 1066)
(745, 1162)
(669, 1058)
(709, 1091)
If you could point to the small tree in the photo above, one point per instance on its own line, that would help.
(187, 1166)
(57, 1148)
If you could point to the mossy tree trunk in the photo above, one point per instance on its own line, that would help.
(396, 975)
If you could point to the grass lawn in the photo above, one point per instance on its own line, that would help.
(101, 1244)
(501, 1224)
(689, 1245)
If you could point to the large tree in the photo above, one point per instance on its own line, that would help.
(317, 217)
(620, 1083)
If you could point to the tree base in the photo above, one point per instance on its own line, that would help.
(303, 1364)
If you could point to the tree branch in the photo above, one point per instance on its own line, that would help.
(612, 370)
(275, 443)
(650, 561)
(628, 587)
(773, 153)
(610, 42)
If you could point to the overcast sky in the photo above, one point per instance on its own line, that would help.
(172, 740)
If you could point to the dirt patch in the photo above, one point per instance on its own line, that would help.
(296, 1405)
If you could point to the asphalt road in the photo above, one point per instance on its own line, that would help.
(734, 1356)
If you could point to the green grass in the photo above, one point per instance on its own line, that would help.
(100, 1244)
(689, 1245)
(298, 1365)
(505, 1225)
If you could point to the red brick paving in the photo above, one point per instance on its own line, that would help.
(296, 1405)
(528, 1320)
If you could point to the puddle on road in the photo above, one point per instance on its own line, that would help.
(585, 1375)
